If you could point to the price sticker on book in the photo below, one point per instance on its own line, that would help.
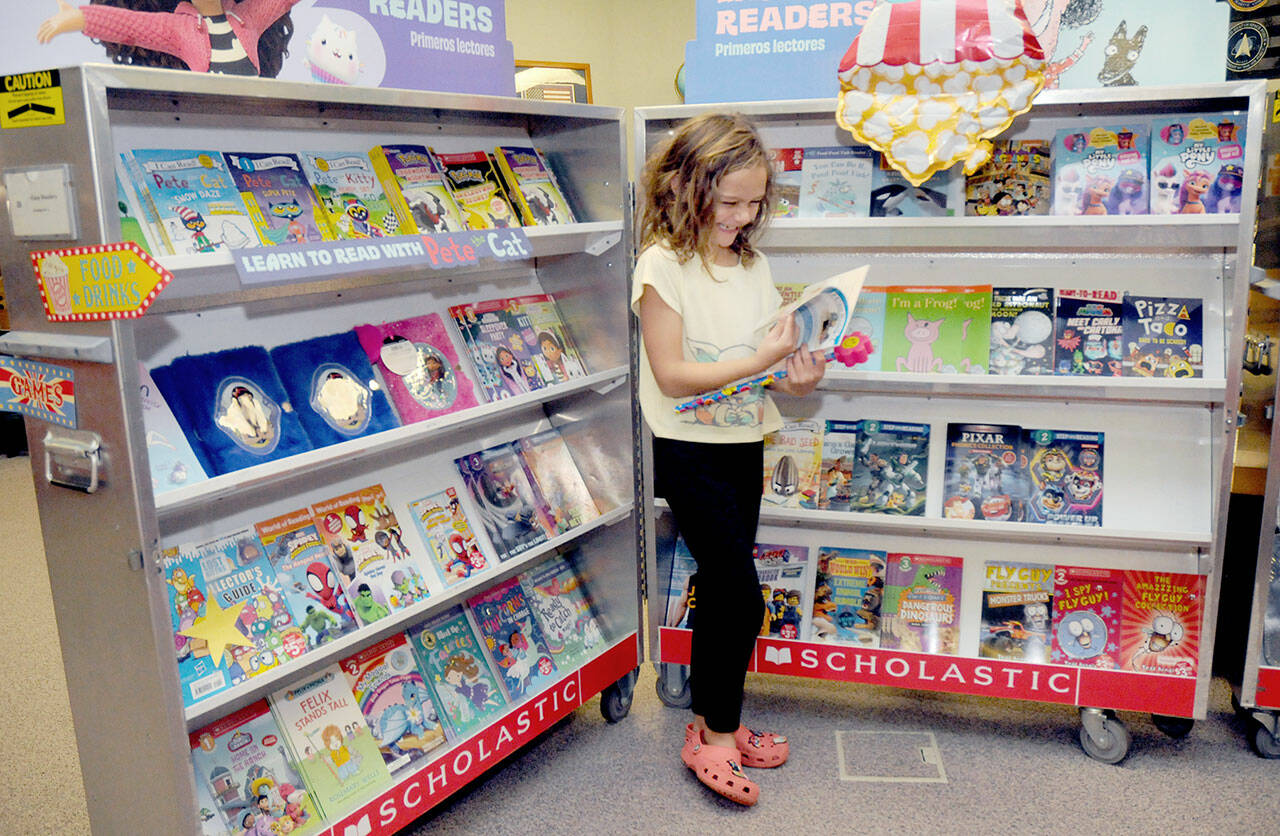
(106, 281)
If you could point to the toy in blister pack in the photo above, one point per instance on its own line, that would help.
(1100, 170)
(1197, 164)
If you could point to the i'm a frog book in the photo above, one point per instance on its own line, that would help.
(938, 329)
(278, 197)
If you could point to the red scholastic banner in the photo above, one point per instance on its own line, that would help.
(427, 787)
(104, 281)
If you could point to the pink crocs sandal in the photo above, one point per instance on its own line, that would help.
(717, 767)
(762, 750)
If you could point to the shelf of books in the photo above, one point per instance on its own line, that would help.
(1023, 492)
(363, 474)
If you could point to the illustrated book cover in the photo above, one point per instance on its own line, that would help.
(195, 200)
(986, 478)
(419, 366)
(305, 576)
(1017, 611)
(443, 525)
(557, 356)
(1163, 336)
(507, 505)
(1197, 164)
(278, 197)
(202, 670)
(847, 595)
(457, 672)
(1013, 181)
(1101, 170)
(1161, 622)
(349, 194)
(534, 189)
(868, 317)
(893, 196)
(506, 626)
(835, 182)
(1089, 333)
(835, 477)
(787, 164)
(1086, 616)
(564, 611)
(1066, 469)
(921, 608)
(937, 329)
(415, 187)
(891, 468)
(476, 185)
(792, 459)
(823, 311)
(680, 582)
(783, 571)
(1021, 330)
(566, 502)
(139, 218)
(503, 345)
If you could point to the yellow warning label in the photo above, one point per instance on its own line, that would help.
(28, 100)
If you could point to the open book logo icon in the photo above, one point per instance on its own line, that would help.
(778, 655)
(360, 828)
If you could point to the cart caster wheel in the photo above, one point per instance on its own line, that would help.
(1108, 742)
(1174, 727)
(615, 699)
(1264, 743)
(673, 686)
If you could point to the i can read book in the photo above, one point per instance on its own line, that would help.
(1066, 470)
(792, 458)
(783, 571)
(476, 185)
(415, 187)
(333, 749)
(847, 595)
(1161, 622)
(367, 548)
(306, 577)
(243, 764)
(513, 640)
(420, 367)
(138, 220)
(447, 533)
(890, 468)
(1021, 331)
(349, 194)
(563, 607)
(456, 669)
(196, 201)
(394, 699)
(1089, 332)
(1197, 163)
(507, 506)
(1101, 170)
(534, 188)
(937, 329)
(986, 476)
(921, 609)
(278, 197)
(1017, 611)
(1087, 606)
(1163, 336)
(566, 502)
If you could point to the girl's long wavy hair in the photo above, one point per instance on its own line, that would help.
(680, 178)
(273, 45)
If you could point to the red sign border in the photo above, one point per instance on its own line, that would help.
(165, 278)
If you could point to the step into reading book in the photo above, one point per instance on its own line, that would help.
(847, 594)
(921, 609)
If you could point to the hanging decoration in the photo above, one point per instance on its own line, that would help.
(929, 82)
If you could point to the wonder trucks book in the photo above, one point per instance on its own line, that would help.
(306, 577)
(1086, 616)
(921, 608)
(512, 639)
(1017, 611)
(847, 594)
(564, 611)
(442, 522)
(455, 669)
(278, 197)
(1161, 622)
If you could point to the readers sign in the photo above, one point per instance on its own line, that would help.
(106, 281)
(38, 390)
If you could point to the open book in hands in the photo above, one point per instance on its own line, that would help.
(823, 311)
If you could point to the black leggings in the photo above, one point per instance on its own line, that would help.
(714, 494)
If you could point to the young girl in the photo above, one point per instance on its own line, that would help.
(700, 289)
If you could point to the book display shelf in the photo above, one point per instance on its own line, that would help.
(105, 533)
(1168, 441)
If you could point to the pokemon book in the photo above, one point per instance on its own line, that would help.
(476, 185)
(1065, 468)
(415, 187)
(350, 195)
(1089, 333)
(244, 763)
(279, 199)
(835, 182)
(1086, 616)
(1017, 611)
(1161, 622)
(508, 507)
(419, 366)
(1013, 181)
(1163, 336)
(1021, 331)
(454, 666)
(196, 202)
(680, 597)
(513, 640)
(366, 545)
(332, 746)
(787, 164)
(890, 469)
(938, 330)
(444, 527)
(792, 459)
(1101, 170)
(534, 188)
(392, 694)
(563, 608)
(893, 196)
(173, 461)
(556, 356)
(1197, 164)
(835, 476)
(503, 346)
(566, 502)
(847, 593)
(306, 577)
(783, 571)
(985, 477)
(921, 609)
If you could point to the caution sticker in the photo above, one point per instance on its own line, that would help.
(29, 100)
(105, 281)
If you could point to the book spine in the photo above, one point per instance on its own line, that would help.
(511, 182)
(146, 203)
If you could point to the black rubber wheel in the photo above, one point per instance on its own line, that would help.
(1114, 744)
(1174, 727)
(674, 697)
(1263, 742)
(614, 704)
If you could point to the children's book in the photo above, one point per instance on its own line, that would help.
(506, 626)
(566, 502)
(1101, 170)
(921, 609)
(502, 344)
(1021, 330)
(823, 311)
(415, 188)
(835, 477)
(1163, 336)
(442, 523)
(939, 330)
(680, 598)
(1089, 333)
(536, 194)
(1066, 476)
(507, 506)
(893, 196)
(792, 460)
(1197, 164)
(279, 199)
(393, 697)
(335, 753)
(1161, 622)
(1017, 611)
(1013, 181)
(349, 194)
(604, 463)
(196, 202)
(306, 578)
(783, 571)
(891, 468)
(332, 388)
(868, 317)
(847, 594)
(173, 463)
(564, 611)
(203, 670)
(835, 182)
(1086, 616)
(476, 186)
(419, 366)
(787, 164)
(466, 692)
(138, 220)
(243, 762)
(985, 477)
(556, 355)
(367, 548)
